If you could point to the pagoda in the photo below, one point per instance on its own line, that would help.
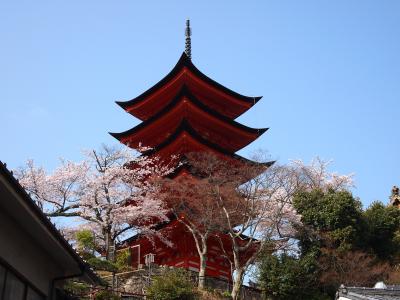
(187, 112)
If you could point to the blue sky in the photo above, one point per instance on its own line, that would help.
(329, 72)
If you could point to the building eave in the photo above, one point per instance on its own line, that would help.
(186, 95)
(186, 127)
(87, 273)
(184, 61)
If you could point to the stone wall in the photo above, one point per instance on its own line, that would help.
(135, 282)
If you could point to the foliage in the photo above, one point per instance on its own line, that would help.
(250, 199)
(338, 220)
(121, 263)
(102, 264)
(211, 294)
(338, 243)
(85, 240)
(236, 198)
(76, 288)
(226, 294)
(394, 275)
(106, 295)
(286, 277)
(85, 244)
(351, 268)
(333, 212)
(83, 291)
(383, 230)
(172, 284)
(111, 190)
(123, 259)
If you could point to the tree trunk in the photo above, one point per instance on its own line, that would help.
(110, 249)
(237, 283)
(202, 272)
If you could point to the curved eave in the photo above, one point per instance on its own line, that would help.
(173, 221)
(185, 93)
(185, 127)
(184, 61)
(185, 168)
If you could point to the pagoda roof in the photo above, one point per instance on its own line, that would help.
(173, 221)
(221, 98)
(184, 169)
(185, 140)
(225, 132)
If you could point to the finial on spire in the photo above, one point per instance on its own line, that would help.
(188, 42)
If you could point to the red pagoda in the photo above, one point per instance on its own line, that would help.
(183, 113)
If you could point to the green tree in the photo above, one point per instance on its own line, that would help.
(329, 218)
(338, 243)
(382, 234)
(286, 277)
(86, 244)
(102, 264)
(172, 284)
(336, 213)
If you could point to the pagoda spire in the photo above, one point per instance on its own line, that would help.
(188, 41)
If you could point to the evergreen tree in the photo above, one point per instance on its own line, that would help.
(338, 243)
(383, 230)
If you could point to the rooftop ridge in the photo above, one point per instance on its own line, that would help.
(184, 61)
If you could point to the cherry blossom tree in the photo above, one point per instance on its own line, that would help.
(252, 203)
(269, 216)
(111, 191)
(257, 211)
(228, 201)
(316, 175)
(190, 201)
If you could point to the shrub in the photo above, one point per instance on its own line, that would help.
(101, 264)
(285, 277)
(123, 260)
(172, 284)
(106, 295)
(76, 288)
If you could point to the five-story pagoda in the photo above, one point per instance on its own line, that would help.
(183, 113)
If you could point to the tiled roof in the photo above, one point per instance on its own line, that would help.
(360, 293)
